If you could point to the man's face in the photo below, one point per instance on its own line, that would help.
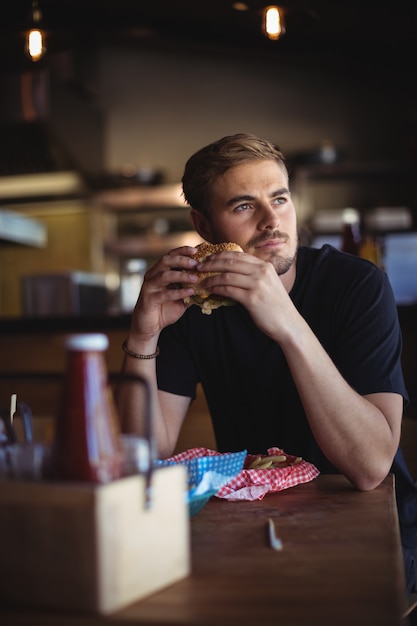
(251, 206)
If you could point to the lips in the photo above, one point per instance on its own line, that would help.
(271, 243)
(269, 239)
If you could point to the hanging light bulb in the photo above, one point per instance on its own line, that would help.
(273, 22)
(35, 40)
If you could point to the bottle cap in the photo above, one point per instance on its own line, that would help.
(88, 341)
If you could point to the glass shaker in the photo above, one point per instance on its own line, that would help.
(86, 446)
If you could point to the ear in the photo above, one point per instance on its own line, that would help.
(202, 225)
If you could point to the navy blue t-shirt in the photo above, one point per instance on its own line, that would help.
(253, 402)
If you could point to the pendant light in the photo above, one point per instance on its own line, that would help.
(273, 22)
(35, 38)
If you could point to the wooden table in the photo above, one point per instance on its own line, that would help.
(341, 565)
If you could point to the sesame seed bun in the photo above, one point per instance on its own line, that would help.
(203, 298)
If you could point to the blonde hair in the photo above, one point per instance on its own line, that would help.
(205, 166)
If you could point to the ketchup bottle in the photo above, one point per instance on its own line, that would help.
(86, 446)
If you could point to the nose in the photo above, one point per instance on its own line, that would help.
(268, 217)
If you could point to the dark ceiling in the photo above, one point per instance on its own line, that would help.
(351, 33)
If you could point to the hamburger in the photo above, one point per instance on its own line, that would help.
(207, 301)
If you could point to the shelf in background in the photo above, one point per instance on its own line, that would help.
(21, 230)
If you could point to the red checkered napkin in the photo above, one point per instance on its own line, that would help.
(254, 484)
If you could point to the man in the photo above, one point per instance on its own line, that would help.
(307, 360)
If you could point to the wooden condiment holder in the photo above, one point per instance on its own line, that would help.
(81, 547)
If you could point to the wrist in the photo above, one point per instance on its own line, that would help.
(139, 344)
(139, 355)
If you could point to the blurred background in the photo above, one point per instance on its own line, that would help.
(95, 133)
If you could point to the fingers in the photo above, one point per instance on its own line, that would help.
(180, 257)
(176, 261)
(161, 298)
(169, 279)
(172, 277)
(237, 278)
(225, 261)
(229, 268)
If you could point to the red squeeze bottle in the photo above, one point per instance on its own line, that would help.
(86, 446)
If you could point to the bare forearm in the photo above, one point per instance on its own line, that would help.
(355, 435)
(157, 307)
(131, 404)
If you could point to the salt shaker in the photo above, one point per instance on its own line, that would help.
(86, 446)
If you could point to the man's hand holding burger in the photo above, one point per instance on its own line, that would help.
(203, 298)
(161, 299)
(251, 281)
(171, 285)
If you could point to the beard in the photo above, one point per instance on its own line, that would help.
(282, 264)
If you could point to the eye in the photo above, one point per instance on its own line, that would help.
(243, 207)
(279, 200)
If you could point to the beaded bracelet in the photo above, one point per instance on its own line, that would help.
(139, 356)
